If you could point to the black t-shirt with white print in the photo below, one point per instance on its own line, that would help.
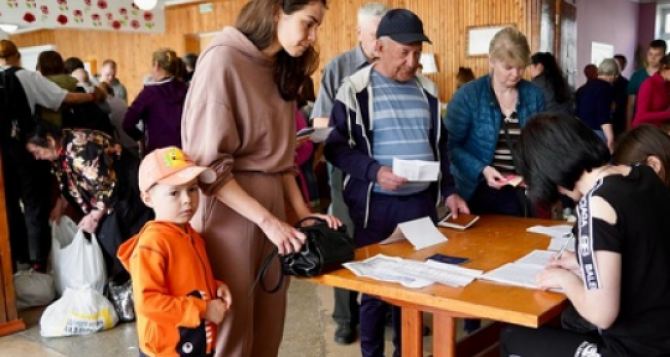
(642, 236)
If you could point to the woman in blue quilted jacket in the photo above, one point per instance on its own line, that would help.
(484, 120)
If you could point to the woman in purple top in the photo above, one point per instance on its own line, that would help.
(159, 105)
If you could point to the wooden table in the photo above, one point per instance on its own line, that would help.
(490, 243)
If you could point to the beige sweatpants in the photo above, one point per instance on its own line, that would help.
(236, 248)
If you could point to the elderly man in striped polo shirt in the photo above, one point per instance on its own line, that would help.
(381, 112)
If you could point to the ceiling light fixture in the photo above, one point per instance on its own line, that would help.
(9, 28)
(146, 4)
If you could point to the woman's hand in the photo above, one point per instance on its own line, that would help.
(553, 278)
(301, 140)
(567, 260)
(90, 221)
(332, 221)
(286, 238)
(493, 178)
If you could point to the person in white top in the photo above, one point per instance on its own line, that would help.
(26, 180)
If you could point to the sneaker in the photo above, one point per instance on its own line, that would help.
(345, 335)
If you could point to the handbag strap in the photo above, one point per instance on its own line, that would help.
(320, 220)
(260, 278)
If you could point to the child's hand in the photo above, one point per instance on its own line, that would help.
(216, 310)
(223, 293)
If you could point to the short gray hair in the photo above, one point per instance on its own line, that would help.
(371, 10)
(608, 67)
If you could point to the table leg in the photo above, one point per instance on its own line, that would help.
(412, 337)
(444, 335)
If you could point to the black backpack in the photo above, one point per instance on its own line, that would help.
(16, 119)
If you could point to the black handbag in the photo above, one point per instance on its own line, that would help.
(325, 249)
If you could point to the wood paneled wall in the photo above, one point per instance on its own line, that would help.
(446, 23)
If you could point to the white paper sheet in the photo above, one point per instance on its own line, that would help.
(320, 134)
(557, 243)
(409, 273)
(558, 231)
(417, 170)
(515, 274)
(420, 232)
(523, 272)
(454, 268)
(537, 257)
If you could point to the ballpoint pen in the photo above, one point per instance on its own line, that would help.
(563, 247)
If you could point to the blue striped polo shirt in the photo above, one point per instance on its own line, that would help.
(400, 126)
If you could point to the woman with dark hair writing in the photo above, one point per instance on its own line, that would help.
(618, 281)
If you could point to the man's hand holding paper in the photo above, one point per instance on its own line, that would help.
(417, 170)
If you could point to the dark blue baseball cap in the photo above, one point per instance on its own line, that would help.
(403, 26)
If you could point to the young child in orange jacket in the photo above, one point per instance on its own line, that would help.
(177, 301)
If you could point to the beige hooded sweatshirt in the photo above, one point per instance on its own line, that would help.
(234, 117)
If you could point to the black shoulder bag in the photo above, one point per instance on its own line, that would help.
(325, 249)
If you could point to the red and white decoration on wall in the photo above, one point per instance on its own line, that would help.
(114, 15)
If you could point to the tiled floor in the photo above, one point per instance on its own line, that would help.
(309, 333)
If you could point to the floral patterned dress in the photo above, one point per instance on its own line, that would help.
(93, 173)
(85, 168)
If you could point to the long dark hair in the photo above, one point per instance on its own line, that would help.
(257, 22)
(40, 134)
(548, 136)
(553, 74)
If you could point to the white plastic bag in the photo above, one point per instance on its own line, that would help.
(77, 262)
(33, 289)
(79, 312)
(63, 232)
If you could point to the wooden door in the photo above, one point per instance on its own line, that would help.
(567, 40)
(9, 320)
(555, 23)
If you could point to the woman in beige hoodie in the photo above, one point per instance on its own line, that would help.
(238, 120)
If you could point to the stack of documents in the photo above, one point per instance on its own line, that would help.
(522, 272)
(560, 235)
(412, 273)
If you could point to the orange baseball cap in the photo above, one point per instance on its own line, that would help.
(170, 166)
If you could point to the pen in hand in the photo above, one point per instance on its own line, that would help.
(563, 247)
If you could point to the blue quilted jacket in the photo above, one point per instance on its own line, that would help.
(473, 122)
